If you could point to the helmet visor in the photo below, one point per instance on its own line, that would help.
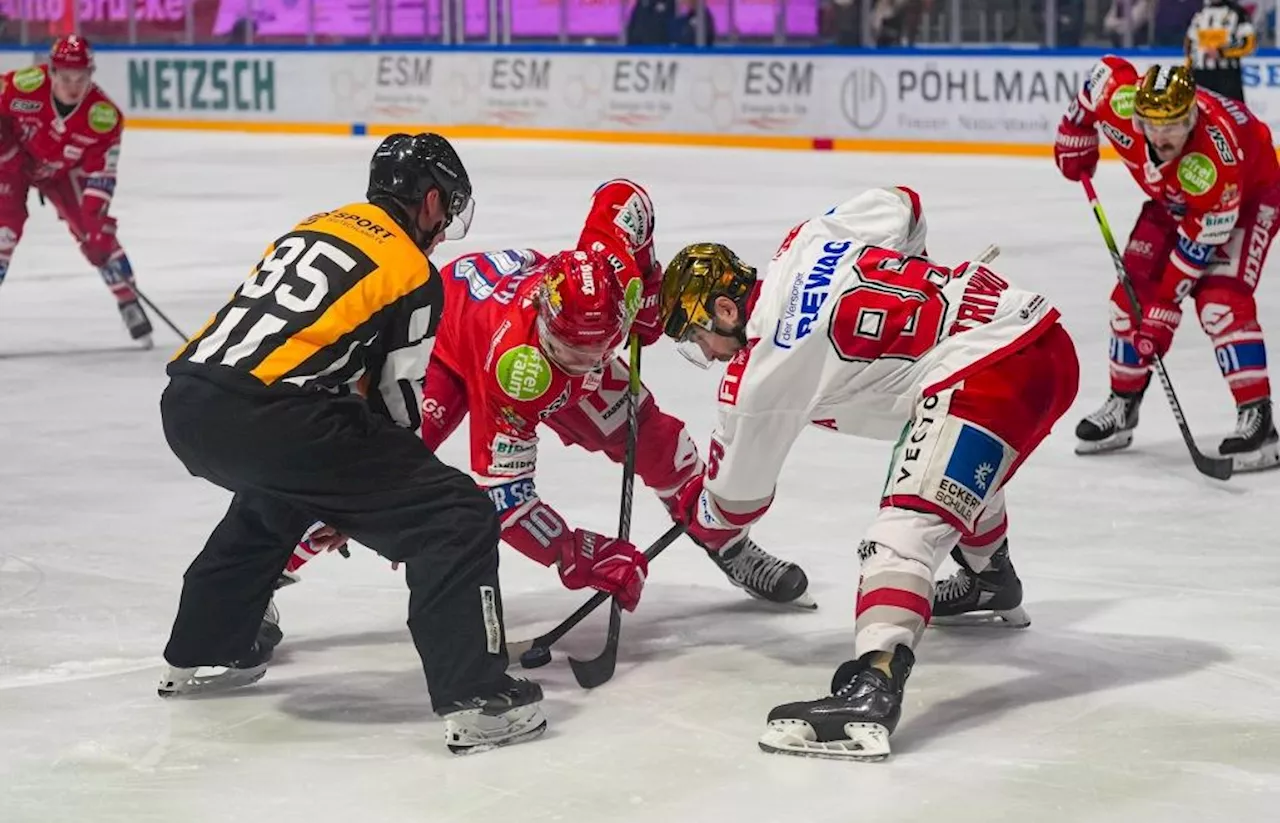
(462, 207)
(691, 351)
(574, 358)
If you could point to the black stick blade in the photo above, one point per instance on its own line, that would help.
(1219, 468)
(599, 670)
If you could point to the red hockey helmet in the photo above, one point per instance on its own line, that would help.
(581, 311)
(71, 52)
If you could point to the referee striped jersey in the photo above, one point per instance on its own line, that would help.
(1222, 27)
(344, 302)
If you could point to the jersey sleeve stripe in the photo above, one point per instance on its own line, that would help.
(375, 292)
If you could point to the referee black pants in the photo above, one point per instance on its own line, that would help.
(295, 458)
(1227, 82)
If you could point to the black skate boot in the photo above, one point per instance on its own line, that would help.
(854, 723)
(135, 319)
(269, 633)
(1111, 427)
(246, 670)
(993, 595)
(762, 575)
(506, 715)
(1255, 445)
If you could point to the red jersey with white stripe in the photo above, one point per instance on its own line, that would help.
(849, 330)
(1228, 158)
(489, 337)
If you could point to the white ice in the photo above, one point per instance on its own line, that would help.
(1147, 688)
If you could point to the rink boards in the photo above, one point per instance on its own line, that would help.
(934, 101)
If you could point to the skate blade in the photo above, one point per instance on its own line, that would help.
(1016, 618)
(465, 732)
(188, 682)
(866, 741)
(1267, 457)
(1115, 442)
(803, 602)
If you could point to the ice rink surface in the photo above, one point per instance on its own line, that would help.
(1146, 689)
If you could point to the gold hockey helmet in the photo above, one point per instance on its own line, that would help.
(1166, 94)
(695, 277)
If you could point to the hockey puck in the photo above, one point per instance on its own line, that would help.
(535, 657)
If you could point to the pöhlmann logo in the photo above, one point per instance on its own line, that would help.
(864, 99)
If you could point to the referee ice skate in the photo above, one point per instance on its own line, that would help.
(302, 396)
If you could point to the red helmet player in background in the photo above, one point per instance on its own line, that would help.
(524, 342)
(1209, 167)
(60, 133)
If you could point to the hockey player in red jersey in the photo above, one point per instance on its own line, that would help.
(502, 357)
(1209, 167)
(61, 134)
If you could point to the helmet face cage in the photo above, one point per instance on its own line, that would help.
(693, 279)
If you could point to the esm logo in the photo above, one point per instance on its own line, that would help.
(864, 99)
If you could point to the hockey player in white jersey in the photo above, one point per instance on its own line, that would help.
(851, 329)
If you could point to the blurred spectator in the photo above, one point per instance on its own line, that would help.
(842, 22)
(896, 22)
(1137, 21)
(1172, 19)
(686, 25)
(1070, 23)
(651, 23)
(1220, 35)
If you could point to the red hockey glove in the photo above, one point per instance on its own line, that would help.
(604, 563)
(1076, 150)
(648, 323)
(1155, 334)
(702, 523)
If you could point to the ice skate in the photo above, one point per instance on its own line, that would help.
(269, 633)
(503, 717)
(216, 677)
(135, 319)
(992, 596)
(1111, 427)
(854, 723)
(1255, 446)
(764, 576)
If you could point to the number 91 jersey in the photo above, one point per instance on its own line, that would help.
(346, 301)
(848, 331)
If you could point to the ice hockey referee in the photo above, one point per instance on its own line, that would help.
(1220, 35)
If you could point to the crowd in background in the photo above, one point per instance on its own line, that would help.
(849, 23)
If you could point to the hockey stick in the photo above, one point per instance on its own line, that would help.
(598, 670)
(1219, 468)
(159, 313)
(538, 652)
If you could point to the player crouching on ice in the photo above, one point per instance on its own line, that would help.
(1210, 169)
(525, 341)
(60, 133)
(852, 331)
